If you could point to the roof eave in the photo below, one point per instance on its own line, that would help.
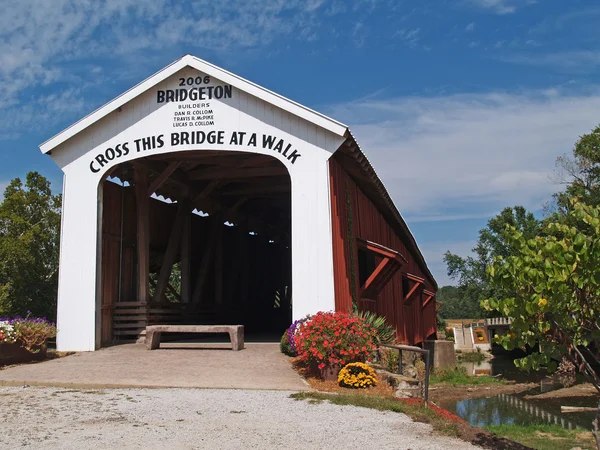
(354, 149)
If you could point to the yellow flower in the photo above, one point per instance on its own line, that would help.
(542, 302)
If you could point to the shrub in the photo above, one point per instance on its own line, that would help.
(389, 359)
(31, 333)
(386, 334)
(287, 344)
(357, 375)
(284, 345)
(330, 339)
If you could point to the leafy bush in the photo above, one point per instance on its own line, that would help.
(389, 359)
(357, 375)
(30, 332)
(284, 345)
(458, 375)
(330, 339)
(287, 344)
(386, 334)
(476, 357)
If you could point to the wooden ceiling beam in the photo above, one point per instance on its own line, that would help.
(235, 173)
(163, 176)
(258, 190)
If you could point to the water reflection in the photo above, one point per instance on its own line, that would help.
(510, 409)
(505, 366)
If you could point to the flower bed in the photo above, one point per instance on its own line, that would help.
(24, 339)
(330, 340)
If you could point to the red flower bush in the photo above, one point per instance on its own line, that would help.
(334, 339)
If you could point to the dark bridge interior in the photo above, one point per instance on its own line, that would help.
(197, 237)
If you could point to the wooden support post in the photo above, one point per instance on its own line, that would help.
(232, 284)
(143, 233)
(185, 256)
(219, 269)
(170, 253)
(207, 257)
(245, 267)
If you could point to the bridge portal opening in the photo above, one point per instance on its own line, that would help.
(198, 237)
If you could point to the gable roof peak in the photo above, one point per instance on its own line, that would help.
(223, 75)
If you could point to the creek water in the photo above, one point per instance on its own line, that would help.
(514, 409)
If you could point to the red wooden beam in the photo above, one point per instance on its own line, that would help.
(407, 297)
(430, 295)
(381, 250)
(378, 270)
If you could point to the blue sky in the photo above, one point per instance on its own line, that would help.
(462, 106)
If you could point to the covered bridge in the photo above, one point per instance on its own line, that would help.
(199, 197)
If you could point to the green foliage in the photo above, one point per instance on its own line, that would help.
(464, 300)
(284, 344)
(581, 173)
(29, 241)
(457, 375)
(476, 357)
(555, 286)
(386, 334)
(389, 359)
(546, 436)
(33, 333)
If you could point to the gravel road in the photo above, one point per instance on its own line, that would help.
(44, 418)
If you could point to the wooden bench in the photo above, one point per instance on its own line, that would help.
(236, 333)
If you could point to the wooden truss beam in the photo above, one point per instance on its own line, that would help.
(235, 173)
(203, 201)
(410, 296)
(186, 256)
(391, 261)
(171, 252)
(143, 233)
(163, 176)
(428, 297)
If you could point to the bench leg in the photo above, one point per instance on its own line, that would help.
(237, 339)
(152, 340)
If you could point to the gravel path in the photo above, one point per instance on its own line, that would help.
(43, 418)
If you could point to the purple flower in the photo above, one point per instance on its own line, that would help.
(292, 330)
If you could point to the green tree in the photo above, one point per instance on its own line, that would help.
(29, 241)
(555, 301)
(556, 286)
(581, 175)
(470, 272)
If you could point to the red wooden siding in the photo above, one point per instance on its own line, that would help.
(413, 323)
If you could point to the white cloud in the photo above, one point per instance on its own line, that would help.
(464, 156)
(470, 27)
(501, 6)
(433, 252)
(39, 38)
(577, 61)
(410, 36)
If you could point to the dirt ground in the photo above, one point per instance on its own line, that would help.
(447, 392)
(580, 390)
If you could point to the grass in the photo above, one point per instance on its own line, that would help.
(545, 436)
(417, 412)
(475, 357)
(458, 376)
